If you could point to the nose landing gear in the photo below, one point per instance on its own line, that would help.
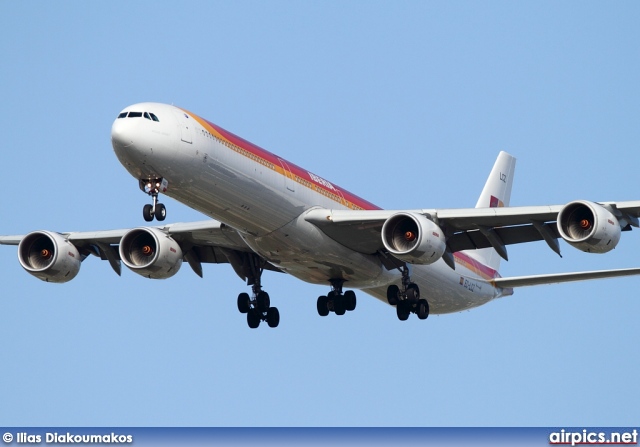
(153, 187)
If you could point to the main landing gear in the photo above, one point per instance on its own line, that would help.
(153, 188)
(258, 305)
(336, 301)
(408, 299)
(258, 308)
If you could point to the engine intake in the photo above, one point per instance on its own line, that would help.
(413, 238)
(49, 256)
(150, 253)
(589, 227)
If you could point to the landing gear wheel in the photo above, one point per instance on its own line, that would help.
(422, 309)
(273, 317)
(402, 310)
(413, 292)
(257, 304)
(393, 292)
(161, 212)
(244, 303)
(147, 212)
(153, 187)
(253, 319)
(350, 300)
(263, 302)
(323, 306)
(339, 304)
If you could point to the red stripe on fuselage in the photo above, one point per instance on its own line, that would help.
(296, 170)
(473, 265)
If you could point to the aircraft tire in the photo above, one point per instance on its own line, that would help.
(253, 319)
(273, 317)
(323, 306)
(161, 212)
(413, 292)
(146, 212)
(392, 294)
(263, 301)
(243, 303)
(422, 309)
(402, 311)
(339, 304)
(350, 300)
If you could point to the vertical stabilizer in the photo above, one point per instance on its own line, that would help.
(496, 193)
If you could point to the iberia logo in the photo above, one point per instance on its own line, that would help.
(496, 203)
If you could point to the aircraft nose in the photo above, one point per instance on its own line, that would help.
(128, 143)
(121, 134)
(141, 139)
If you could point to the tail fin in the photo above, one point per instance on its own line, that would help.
(496, 193)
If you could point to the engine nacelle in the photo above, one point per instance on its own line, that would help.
(151, 253)
(589, 227)
(49, 256)
(413, 238)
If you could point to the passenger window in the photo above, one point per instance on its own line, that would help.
(135, 114)
(123, 115)
(153, 117)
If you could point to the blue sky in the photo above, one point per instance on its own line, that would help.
(406, 104)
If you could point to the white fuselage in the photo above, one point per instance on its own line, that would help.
(264, 198)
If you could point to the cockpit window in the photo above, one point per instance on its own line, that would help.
(148, 115)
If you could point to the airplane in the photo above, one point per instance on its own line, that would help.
(266, 213)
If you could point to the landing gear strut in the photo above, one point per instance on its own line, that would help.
(258, 305)
(408, 299)
(336, 301)
(153, 188)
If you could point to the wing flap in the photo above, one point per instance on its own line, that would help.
(466, 228)
(474, 239)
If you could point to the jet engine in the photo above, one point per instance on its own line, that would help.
(589, 227)
(413, 238)
(49, 256)
(151, 253)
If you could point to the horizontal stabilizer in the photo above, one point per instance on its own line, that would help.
(536, 280)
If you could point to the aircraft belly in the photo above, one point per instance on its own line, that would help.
(446, 290)
(449, 290)
(302, 250)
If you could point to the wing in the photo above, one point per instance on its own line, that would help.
(201, 242)
(537, 280)
(467, 228)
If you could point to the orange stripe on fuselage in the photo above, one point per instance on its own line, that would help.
(304, 178)
(476, 267)
(294, 172)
